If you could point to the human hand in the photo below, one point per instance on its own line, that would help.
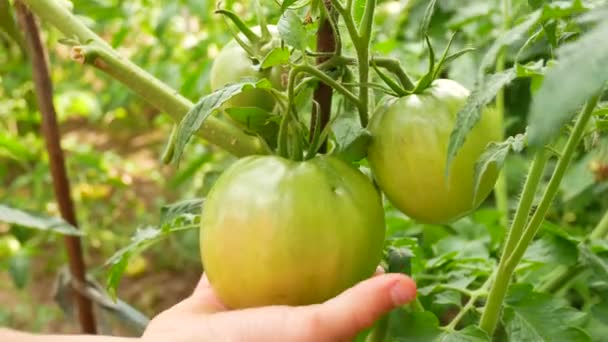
(202, 317)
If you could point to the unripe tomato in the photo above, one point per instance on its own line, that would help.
(409, 147)
(233, 65)
(9, 246)
(275, 231)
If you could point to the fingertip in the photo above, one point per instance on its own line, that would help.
(402, 290)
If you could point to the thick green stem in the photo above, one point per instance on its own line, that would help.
(362, 47)
(220, 133)
(525, 203)
(501, 192)
(509, 261)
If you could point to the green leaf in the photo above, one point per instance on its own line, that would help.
(600, 311)
(172, 211)
(508, 38)
(484, 91)
(292, 30)
(470, 333)
(194, 119)
(581, 72)
(428, 16)
(413, 326)
(597, 264)
(400, 260)
(143, 239)
(495, 154)
(286, 3)
(355, 149)
(276, 56)
(18, 268)
(257, 121)
(533, 316)
(358, 10)
(552, 249)
(37, 221)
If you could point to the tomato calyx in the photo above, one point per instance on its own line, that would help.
(257, 46)
(402, 88)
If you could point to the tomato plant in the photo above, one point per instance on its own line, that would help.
(275, 233)
(322, 90)
(408, 153)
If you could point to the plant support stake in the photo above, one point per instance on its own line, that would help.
(326, 42)
(61, 185)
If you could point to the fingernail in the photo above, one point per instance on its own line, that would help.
(401, 294)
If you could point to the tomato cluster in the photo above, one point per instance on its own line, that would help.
(279, 231)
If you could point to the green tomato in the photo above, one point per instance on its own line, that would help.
(9, 246)
(281, 232)
(233, 65)
(408, 154)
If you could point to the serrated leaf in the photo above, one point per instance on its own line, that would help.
(533, 316)
(193, 120)
(495, 154)
(485, 90)
(171, 211)
(470, 333)
(292, 30)
(552, 249)
(37, 221)
(582, 70)
(276, 56)
(508, 38)
(143, 239)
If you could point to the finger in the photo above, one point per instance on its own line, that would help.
(203, 299)
(359, 307)
(379, 271)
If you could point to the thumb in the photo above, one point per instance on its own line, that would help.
(360, 306)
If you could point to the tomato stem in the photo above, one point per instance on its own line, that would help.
(501, 191)
(511, 257)
(221, 133)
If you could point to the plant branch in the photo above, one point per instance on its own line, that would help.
(61, 185)
(601, 230)
(508, 262)
(475, 296)
(501, 191)
(97, 52)
(362, 47)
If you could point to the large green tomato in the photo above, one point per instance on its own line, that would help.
(409, 150)
(280, 232)
(233, 65)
